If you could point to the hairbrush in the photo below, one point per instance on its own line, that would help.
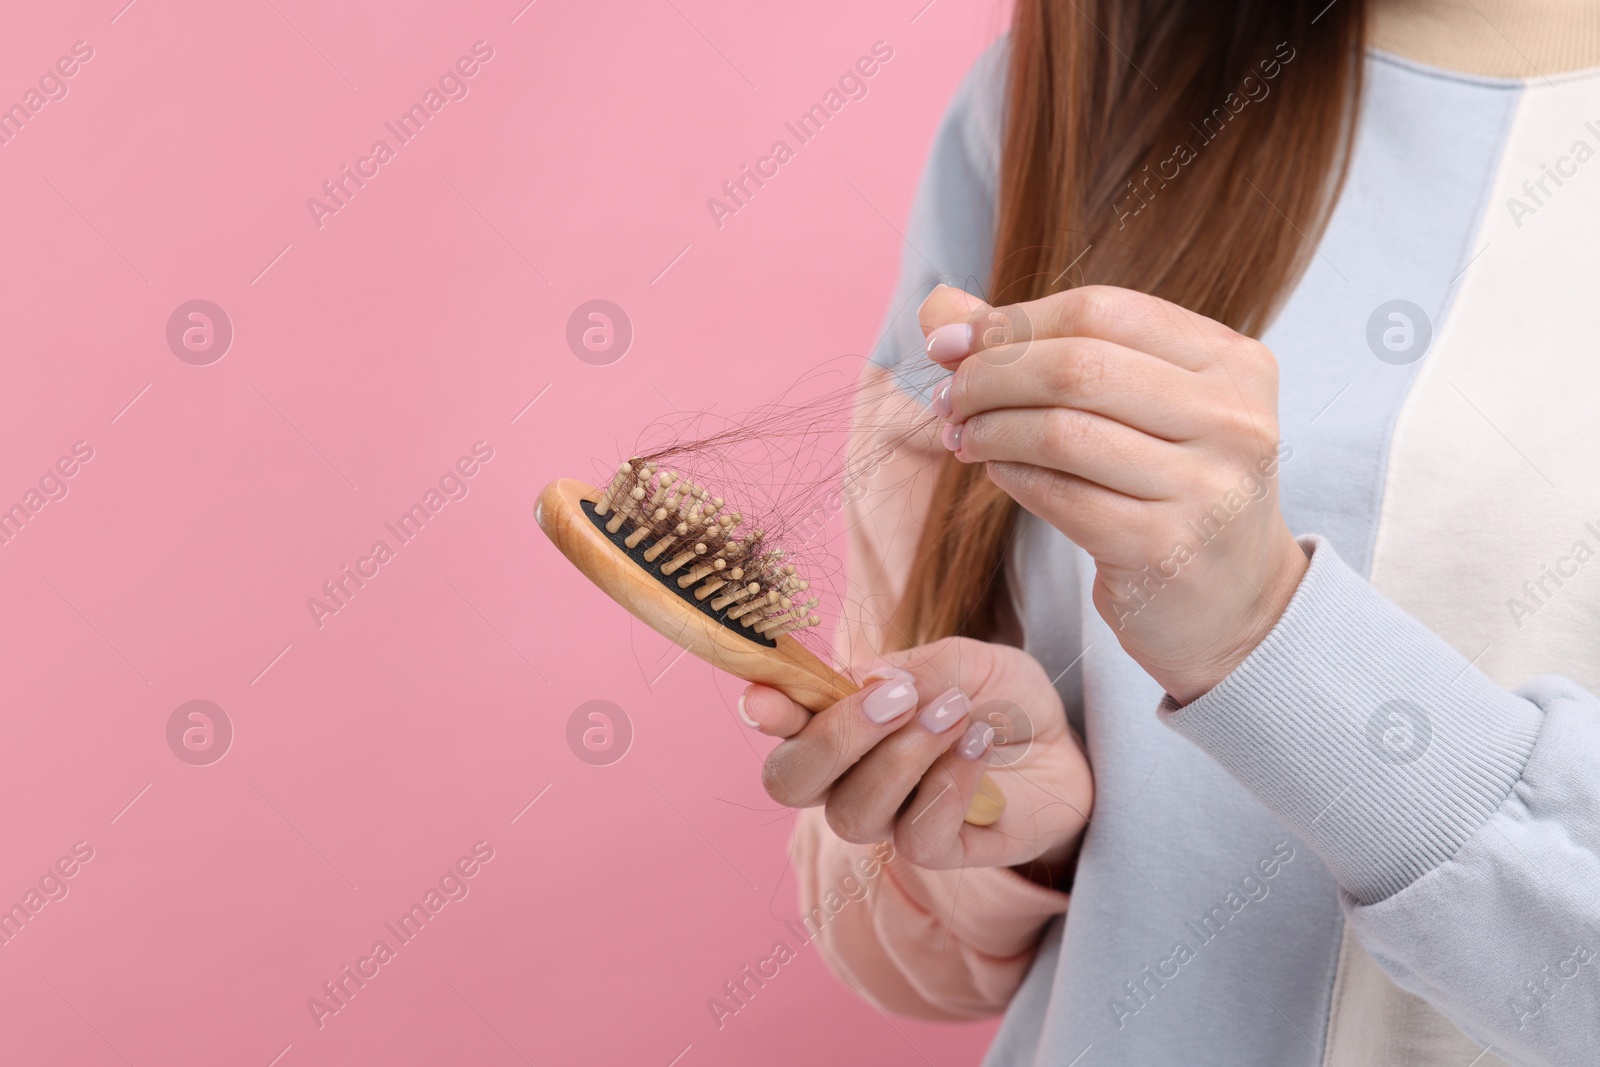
(679, 560)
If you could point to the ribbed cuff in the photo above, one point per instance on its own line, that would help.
(1373, 739)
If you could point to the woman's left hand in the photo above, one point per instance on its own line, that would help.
(1148, 435)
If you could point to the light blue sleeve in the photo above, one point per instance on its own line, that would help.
(950, 236)
(1461, 820)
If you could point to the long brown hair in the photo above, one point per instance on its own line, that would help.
(1191, 149)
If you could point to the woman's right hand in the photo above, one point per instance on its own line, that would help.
(902, 758)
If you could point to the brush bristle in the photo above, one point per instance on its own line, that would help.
(694, 544)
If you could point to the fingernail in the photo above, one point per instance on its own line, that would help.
(975, 741)
(745, 715)
(945, 711)
(941, 399)
(950, 343)
(890, 699)
(950, 436)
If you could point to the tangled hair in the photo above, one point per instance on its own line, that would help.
(766, 483)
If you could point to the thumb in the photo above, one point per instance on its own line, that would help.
(947, 305)
(954, 322)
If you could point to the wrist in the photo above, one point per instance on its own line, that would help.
(1257, 622)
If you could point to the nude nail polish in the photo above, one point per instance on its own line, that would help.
(745, 715)
(950, 343)
(945, 711)
(950, 436)
(941, 398)
(975, 740)
(891, 698)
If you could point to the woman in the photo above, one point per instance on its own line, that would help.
(1321, 605)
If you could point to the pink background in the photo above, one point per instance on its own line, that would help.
(368, 355)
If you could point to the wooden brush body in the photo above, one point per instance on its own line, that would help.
(781, 662)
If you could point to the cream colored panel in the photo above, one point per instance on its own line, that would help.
(1490, 526)
(1494, 471)
(1375, 1023)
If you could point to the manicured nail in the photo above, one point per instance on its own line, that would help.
(975, 740)
(745, 715)
(891, 698)
(951, 343)
(950, 436)
(941, 398)
(945, 711)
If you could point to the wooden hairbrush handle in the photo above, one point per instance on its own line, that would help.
(787, 665)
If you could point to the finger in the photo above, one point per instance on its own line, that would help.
(865, 802)
(1122, 316)
(1076, 442)
(800, 771)
(1093, 517)
(947, 304)
(931, 832)
(946, 320)
(1131, 387)
(763, 708)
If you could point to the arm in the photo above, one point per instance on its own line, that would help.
(931, 944)
(942, 944)
(1461, 820)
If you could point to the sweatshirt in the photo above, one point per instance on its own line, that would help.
(1377, 842)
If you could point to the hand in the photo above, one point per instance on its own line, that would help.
(901, 759)
(1149, 436)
